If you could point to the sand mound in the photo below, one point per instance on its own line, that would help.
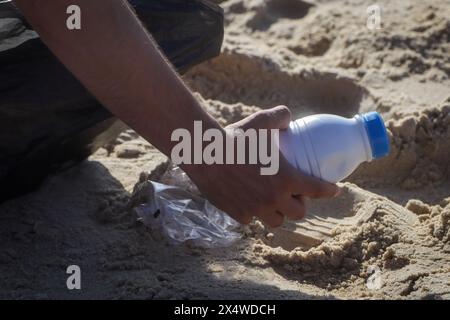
(420, 151)
(408, 244)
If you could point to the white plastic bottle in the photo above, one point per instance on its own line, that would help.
(331, 147)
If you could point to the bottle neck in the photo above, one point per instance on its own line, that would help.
(365, 137)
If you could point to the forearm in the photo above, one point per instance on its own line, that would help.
(117, 61)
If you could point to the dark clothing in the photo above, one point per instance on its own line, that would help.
(48, 119)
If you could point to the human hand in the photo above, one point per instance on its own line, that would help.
(241, 190)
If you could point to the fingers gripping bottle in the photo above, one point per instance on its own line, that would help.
(331, 147)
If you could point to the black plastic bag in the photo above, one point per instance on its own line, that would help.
(48, 120)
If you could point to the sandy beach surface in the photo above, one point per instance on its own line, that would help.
(386, 237)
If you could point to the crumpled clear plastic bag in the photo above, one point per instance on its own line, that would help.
(179, 212)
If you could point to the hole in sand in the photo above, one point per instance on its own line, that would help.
(234, 78)
(314, 46)
(273, 10)
(290, 9)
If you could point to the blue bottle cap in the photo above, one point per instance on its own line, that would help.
(376, 131)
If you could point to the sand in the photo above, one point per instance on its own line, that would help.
(386, 236)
